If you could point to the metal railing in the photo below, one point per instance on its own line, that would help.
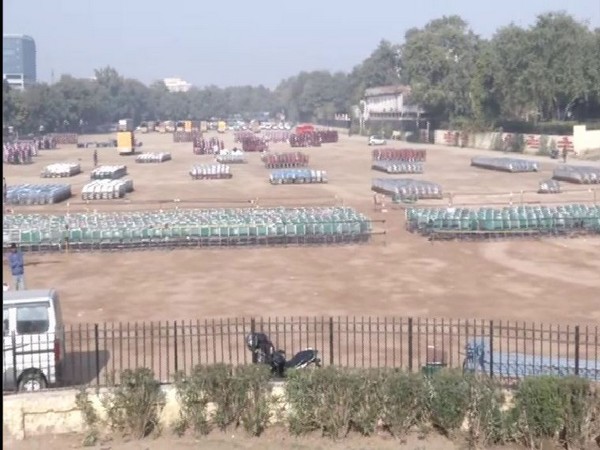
(95, 354)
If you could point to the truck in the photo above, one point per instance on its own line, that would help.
(221, 126)
(125, 125)
(125, 142)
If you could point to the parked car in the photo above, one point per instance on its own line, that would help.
(377, 140)
(33, 341)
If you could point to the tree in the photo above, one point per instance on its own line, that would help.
(381, 68)
(438, 62)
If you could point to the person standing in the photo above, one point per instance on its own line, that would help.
(17, 269)
(95, 157)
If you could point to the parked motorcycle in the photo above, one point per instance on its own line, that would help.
(261, 346)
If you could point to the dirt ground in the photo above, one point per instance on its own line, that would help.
(271, 440)
(554, 280)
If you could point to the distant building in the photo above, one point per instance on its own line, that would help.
(19, 60)
(177, 85)
(389, 103)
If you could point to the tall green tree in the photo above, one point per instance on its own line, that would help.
(438, 62)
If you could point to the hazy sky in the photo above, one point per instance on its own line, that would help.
(238, 42)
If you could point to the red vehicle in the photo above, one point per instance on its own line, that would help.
(305, 129)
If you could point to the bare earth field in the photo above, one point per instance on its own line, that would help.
(554, 280)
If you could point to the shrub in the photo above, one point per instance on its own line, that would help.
(193, 399)
(90, 417)
(134, 406)
(517, 143)
(403, 395)
(447, 401)
(240, 397)
(561, 409)
(488, 422)
(333, 401)
(497, 142)
(302, 395)
(543, 149)
(256, 412)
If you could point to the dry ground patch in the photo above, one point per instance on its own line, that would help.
(552, 280)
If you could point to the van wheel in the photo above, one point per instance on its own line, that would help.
(32, 381)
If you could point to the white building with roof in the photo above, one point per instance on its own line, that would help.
(389, 102)
(177, 85)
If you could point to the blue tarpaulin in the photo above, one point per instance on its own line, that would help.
(520, 365)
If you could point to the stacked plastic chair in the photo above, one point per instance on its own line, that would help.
(397, 167)
(37, 194)
(399, 154)
(297, 176)
(153, 229)
(518, 219)
(61, 170)
(153, 157)
(211, 172)
(549, 187)
(512, 165)
(284, 160)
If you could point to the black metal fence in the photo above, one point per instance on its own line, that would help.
(95, 354)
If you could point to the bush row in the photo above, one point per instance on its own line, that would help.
(335, 402)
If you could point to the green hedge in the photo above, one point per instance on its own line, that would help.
(474, 410)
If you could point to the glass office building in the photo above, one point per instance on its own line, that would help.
(18, 60)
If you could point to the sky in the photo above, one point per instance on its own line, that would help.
(242, 42)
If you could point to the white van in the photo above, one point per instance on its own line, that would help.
(33, 340)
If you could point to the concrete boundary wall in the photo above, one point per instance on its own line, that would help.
(487, 141)
(55, 411)
(27, 415)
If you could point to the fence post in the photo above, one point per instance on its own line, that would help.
(491, 348)
(175, 357)
(97, 352)
(14, 361)
(253, 330)
(410, 344)
(577, 339)
(331, 341)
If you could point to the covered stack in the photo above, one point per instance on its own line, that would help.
(549, 187)
(106, 189)
(577, 174)
(407, 188)
(328, 136)
(153, 157)
(297, 176)
(61, 170)
(211, 172)
(234, 156)
(108, 172)
(37, 194)
(512, 165)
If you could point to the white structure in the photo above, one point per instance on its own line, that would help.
(389, 102)
(177, 85)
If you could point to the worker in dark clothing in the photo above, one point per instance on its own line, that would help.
(96, 158)
(564, 154)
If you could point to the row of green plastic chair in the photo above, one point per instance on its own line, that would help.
(86, 235)
(509, 218)
(182, 224)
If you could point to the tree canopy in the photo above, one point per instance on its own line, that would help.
(548, 71)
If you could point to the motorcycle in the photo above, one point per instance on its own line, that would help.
(265, 353)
